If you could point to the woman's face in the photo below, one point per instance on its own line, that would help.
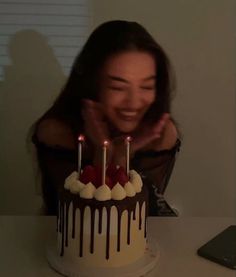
(128, 88)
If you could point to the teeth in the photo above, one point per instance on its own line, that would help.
(129, 113)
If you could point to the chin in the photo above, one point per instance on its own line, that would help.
(127, 128)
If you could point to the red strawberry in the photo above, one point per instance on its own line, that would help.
(120, 176)
(98, 181)
(88, 175)
(111, 170)
(109, 182)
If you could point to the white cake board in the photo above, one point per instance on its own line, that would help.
(137, 269)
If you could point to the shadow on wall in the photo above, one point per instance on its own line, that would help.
(32, 82)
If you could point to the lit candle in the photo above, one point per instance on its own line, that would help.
(128, 140)
(80, 141)
(104, 161)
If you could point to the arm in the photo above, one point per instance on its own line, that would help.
(157, 160)
(56, 158)
(156, 166)
(156, 169)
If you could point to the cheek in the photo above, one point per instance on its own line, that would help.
(112, 100)
(150, 98)
(109, 104)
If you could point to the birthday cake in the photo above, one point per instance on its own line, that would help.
(102, 225)
(102, 222)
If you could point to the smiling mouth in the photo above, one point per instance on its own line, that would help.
(129, 115)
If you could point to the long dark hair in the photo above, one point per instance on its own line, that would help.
(108, 39)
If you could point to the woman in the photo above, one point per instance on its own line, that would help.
(120, 84)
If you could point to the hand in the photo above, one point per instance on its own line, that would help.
(149, 134)
(140, 139)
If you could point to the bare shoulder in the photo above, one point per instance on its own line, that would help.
(54, 132)
(169, 137)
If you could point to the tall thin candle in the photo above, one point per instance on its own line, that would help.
(104, 161)
(128, 140)
(80, 141)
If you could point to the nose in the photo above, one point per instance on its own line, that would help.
(133, 98)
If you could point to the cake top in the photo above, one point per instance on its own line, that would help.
(118, 185)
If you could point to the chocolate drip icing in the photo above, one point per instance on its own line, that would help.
(60, 217)
(100, 221)
(129, 204)
(73, 222)
(119, 229)
(57, 228)
(108, 232)
(146, 215)
(92, 231)
(140, 218)
(134, 215)
(81, 231)
(67, 211)
(62, 228)
(128, 232)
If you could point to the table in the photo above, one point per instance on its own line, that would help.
(23, 240)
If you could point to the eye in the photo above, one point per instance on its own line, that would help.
(116, 88)
(148, 87)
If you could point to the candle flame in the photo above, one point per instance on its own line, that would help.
(81, 138)
(128, 139)
(105, 143)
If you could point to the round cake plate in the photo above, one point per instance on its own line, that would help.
(137, 269)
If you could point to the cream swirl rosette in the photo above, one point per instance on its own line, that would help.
(104, 192)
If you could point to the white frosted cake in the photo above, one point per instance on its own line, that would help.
(102, 225)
